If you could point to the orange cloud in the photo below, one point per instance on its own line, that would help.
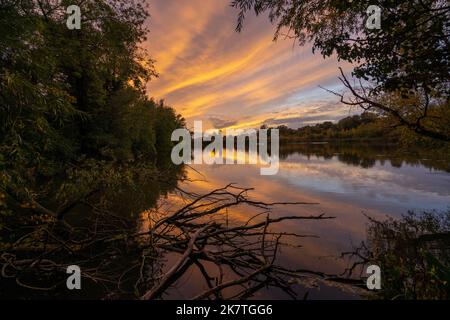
(208, 70)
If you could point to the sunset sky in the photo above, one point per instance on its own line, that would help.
(209, 72)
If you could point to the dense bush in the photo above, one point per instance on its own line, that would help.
(73, 101)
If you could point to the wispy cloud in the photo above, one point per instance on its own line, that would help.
(209, 72)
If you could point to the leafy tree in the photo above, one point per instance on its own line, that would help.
(168, 121)
(408, 57)
(74, 115)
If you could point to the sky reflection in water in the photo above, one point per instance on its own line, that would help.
(345, 191)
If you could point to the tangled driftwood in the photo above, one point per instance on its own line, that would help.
(114, 253)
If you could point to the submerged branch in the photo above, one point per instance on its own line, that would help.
(207, 236)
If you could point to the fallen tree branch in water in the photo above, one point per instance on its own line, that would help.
(236, 258)
(156, 291)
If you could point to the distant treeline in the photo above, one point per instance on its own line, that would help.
(367, 126)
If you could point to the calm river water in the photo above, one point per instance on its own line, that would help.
(348, 182)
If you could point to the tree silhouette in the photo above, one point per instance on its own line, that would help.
(407, 59)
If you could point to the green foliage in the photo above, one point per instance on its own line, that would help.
(73, 107)
(168, 121)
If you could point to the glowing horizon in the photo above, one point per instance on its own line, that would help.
(235, 80)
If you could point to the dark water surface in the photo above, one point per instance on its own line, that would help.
(349, 182)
